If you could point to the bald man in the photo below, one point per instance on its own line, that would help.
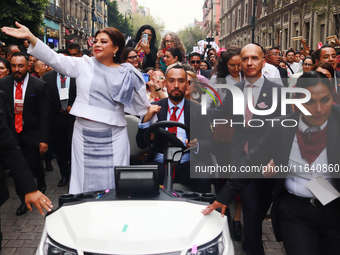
(256, 197)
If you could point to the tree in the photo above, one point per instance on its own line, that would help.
(140, 20)
(117, 20)
(190, 36)
(27, 12)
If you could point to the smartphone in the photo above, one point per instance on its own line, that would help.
(145, 38)
(146, 77)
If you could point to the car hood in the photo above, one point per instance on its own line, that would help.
(133, 227)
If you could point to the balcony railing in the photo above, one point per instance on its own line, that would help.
(54, 11)
(99, 8)
(59, 12)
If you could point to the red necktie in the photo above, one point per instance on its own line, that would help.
(18, 116)
(173, 118)
(249, 114)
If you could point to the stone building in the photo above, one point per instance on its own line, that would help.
(211, 18)
(277, 22)
(76, 21)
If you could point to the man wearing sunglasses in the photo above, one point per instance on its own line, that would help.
(274, 57)
(195, 62)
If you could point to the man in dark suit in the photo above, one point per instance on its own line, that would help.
(274, 57)
(187, 113)
(328, 54)
(256, 197)
(195, 62)
(300, 220)
(28, 100)
(12, 157)
(61, 122)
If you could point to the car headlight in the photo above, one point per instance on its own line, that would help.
(214, 247)
(51, 247)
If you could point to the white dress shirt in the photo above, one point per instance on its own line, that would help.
(272, 73)
(296, 180)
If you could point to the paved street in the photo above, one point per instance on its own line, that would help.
(21, 234)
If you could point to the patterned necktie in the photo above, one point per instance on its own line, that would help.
(18, 116)
(249, 114)
(173, 118)
(63, 102)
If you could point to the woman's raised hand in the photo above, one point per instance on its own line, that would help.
(22, 32)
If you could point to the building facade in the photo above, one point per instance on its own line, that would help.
(277, 22)
(211, 18)
(68, 21)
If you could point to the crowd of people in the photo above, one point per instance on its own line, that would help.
(72, 104)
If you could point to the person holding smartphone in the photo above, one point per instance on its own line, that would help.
(144, 44)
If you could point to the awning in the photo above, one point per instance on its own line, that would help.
(94, 17)
(100, 20)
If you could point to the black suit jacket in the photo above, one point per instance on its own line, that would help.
(12, 157)
(337, 73)
(199, 127)
(276, 145)
(242, 134)
(9, 118)
(56, 117)
(284, 75)
(36, 108)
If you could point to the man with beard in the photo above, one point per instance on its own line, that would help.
(28, 100)
(177, 108)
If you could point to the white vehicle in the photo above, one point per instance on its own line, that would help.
(136, 218)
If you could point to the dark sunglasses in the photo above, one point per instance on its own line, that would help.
(195, 61)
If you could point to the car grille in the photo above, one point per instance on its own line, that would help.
(170, 253)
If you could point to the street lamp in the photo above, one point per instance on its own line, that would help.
(129, 12)
(93, 8)
(253, 21)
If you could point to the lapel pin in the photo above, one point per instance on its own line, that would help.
(264, 94)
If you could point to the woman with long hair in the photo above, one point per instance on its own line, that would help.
(5, 67)
(130, 55)
(169, 40)
(307, 65)
(146, 51)
(228, 69)
(172, 57)
(106, 89)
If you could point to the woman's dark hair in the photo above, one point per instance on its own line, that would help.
(221, 67)
(324, 65)
(6, 63)
(175, 52)
(153, 39)
(126, 53)
(311, 79)
(211, 49)
(308, 57)
(208, 65)
(117, 39)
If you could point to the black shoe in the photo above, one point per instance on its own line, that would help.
(21, 210)
(237, 231)
(48, 166)
(63, 182)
